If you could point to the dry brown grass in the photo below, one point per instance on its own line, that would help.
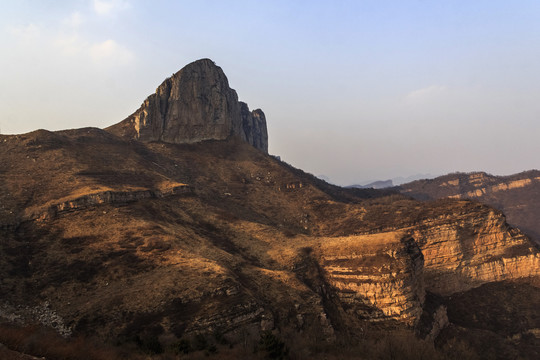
(154, 265)
(41, 342)
(394, 345)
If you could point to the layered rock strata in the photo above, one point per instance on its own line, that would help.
(515, 195)
(472, 185)
(194, 105)
(101, 197)
(257, 246)
(465, 251)
(377, 277)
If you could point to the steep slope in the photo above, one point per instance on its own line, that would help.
(193, 105)
(124, 238)
(170, 238)
(518, 196)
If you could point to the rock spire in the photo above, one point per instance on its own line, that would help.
(193, 105)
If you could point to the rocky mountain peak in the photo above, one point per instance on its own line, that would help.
(193, 105)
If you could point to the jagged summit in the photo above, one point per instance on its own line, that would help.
(193, 105)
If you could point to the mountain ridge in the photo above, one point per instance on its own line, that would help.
(516, 195)
(195, 104)
(139, 240)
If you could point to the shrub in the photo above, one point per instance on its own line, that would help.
(150, 345)
(212, 349)
(182, 346)
(200, 343)
(273, 346)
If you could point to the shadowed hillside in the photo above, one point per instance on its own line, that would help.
(155, 246)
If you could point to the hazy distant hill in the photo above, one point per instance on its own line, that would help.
(518, 196)
(380, 184)
(402, 180)
(383, 184)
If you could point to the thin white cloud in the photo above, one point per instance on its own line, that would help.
(25, 32)
(109, 7)
(68, 41)
(70, 45)
(425, 94)
(110, 52)
(106, 53)
(74, 20)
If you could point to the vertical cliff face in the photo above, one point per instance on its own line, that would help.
(377, 277)
(127, 238)
(254, 127)
(464, 251)
(194, 105)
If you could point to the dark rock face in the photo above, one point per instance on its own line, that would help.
(254, 127)
(193, 105)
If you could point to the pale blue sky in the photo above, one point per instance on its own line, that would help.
(354, 90)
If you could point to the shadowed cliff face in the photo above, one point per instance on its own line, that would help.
(193, 105)
(254, 127)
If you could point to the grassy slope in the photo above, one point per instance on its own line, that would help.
(149, 266)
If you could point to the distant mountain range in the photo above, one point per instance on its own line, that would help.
(379, 184)
(383, 184)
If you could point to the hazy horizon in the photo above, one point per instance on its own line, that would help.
(355, 90)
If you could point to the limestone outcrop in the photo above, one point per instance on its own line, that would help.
(194, 105)
(467, 250)
(70, 204)
(383, 276)
(254, 127)
(377, 277)
(515, 195)
(146, 239)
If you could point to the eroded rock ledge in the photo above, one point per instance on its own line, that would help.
(463, 252)
(377, 277)
(102, 197)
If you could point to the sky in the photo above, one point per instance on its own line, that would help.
(352, 90)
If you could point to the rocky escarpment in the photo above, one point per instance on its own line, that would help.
(515, 195)
(463, 251)
(254, 127)
(194, 105)
(94, 227)
(469, 185)
(377, 277)
(382, 276)
(71, 204)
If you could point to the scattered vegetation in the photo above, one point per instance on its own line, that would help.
(149, 345)
(272, 346)
(389, 345)
(237, 233)
(43, 342)
(182, 346)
